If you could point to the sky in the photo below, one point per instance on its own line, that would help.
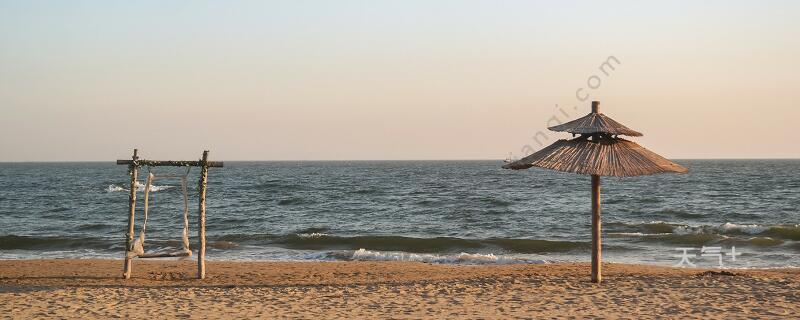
(392, 80)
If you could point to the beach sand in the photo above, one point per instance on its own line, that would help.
(380, 290)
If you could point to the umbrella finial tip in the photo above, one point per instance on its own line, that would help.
(595, 106)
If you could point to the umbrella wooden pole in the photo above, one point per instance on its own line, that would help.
(597, 275)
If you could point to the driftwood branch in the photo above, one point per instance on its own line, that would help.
(201, 219)
(170, 163)
(134, 172)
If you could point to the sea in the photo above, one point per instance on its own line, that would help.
(723, 213)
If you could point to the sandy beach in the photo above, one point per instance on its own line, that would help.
(379, 290)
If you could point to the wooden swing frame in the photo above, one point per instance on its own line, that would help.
(133, 167)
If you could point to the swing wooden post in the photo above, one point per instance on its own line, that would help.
(201, 218)
(133, 167)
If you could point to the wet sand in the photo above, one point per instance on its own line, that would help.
(380, 290)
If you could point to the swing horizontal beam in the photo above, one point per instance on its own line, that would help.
(170, 163)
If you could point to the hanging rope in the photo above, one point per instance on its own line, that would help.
(184, 188)
(138, 244)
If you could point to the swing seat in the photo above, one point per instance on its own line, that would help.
(173, 254)
(138, 252)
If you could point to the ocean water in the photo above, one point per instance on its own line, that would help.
(470, 212)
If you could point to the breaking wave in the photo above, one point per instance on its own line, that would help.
(323, 241)
(11, 242)
(727, 233)
(139, 187)
(460, 258)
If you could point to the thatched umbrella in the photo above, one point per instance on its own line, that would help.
(598, 151)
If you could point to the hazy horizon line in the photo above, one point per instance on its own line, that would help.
(359, 160)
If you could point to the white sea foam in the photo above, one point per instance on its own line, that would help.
(115, 188)
(139, 187)
(461, 258)
(745, 228)
(312, 235)
(751, 229)
(158, 188)
(636, 234)
(682, 230)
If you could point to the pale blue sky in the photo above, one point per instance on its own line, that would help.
(262, 80)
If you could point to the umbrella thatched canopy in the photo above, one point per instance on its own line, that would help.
(597, 152)
(596, 122)
(606, 157)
